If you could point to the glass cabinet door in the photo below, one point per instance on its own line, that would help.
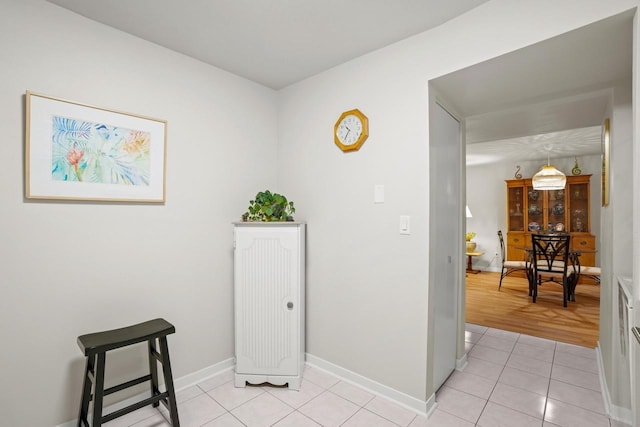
(535, 209)
(556, 210)
(579, 208)
(516, 207)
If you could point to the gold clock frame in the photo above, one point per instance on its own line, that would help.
(606, 152)
(363, 137)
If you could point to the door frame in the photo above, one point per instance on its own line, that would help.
(436, 99)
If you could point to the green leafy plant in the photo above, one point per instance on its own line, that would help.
(268, 206)
(470, 235)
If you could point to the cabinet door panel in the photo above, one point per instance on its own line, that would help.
(585, 243)
(515, 209)
(579, 208)
(535, 209)
(515, 243)
(556, 210)
(267, 311)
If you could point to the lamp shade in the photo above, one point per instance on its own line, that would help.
(549, 178)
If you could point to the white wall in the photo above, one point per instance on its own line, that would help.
(617, 254)
(635, 234)
(622, 180)
(486, 197)
(70, 268)
(368, 285)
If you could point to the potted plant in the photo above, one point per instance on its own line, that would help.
(269, 207)
(471, 245)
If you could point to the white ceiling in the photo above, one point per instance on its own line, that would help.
(549, 96)
(272, 42)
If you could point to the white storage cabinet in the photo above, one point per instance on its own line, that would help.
(269, 284)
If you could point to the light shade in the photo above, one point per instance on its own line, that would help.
(549, 178)
(468, 212)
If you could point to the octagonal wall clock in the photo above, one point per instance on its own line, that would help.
(351, 130)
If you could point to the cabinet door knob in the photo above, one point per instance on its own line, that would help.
(583, 242)
(290, 305)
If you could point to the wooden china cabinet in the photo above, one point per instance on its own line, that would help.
(529, 210)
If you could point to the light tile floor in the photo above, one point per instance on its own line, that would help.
(510, 380)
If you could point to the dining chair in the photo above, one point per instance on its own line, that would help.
(591, 272)
(551, 261)
(508, 267)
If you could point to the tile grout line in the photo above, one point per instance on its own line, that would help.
(495, 385)
(498, 380)
(556, 352)
(546, 400)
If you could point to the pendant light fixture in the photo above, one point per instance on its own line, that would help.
(549, 178)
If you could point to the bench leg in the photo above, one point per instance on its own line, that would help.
(153, 370)
(168, 382)
(89, 370)
(98, 393)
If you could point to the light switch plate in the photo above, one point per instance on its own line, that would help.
(378, 193)
(405, 224)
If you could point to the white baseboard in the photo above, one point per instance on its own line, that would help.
(604, 390)
(178, 383)
(421, 407)
(621, 414)
(461, 363)
(424, 408)
(204, 374)
(614, 412)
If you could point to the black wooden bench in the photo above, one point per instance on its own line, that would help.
(95, 346)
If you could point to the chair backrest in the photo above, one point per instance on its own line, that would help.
(551, 252)
(502, 250)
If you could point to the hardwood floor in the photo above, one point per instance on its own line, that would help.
(511, 308)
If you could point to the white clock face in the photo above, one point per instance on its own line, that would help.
(349, 130)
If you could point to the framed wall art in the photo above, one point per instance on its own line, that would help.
(606, 150)
(81, 152)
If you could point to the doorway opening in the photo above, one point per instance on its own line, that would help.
(518, 105)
